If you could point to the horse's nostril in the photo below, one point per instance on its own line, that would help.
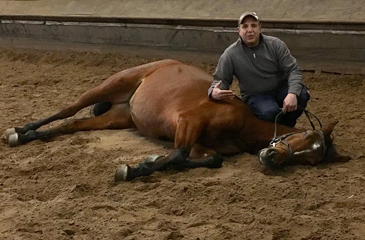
(271, 153)
(266, 156)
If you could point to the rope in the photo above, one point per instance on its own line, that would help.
(307, 113)
(276, 120)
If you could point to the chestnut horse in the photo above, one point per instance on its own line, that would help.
(168, 99)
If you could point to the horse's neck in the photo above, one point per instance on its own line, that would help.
(263, 132)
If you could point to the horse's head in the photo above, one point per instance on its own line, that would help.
(307, 147)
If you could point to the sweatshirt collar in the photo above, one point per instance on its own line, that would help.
(261, 41)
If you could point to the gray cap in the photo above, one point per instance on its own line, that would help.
(246, 14)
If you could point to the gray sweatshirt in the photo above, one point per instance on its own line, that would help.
(259, 69)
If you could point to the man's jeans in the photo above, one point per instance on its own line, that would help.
(267, 106)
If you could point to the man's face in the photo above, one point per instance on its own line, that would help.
(249, 31)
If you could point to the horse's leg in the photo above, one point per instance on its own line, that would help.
(118, 117)
(182, 146)
(14, 135)
(150, 165)
(88, 98)
(116, 89)
(178, 159)
(190, 126)
(202, 157)
(188, 130)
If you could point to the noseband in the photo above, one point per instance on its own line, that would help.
(281, 139)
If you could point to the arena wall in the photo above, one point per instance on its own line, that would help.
(324, 30)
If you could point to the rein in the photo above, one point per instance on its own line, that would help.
(307, 113)
(278, 139)
(281, 139)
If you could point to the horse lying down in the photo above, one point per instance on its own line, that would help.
(168, 99)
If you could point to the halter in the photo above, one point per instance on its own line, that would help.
(281, 139)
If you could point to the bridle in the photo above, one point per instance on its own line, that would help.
(281, 139)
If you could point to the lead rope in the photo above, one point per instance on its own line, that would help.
(272, 142)
(307, 113)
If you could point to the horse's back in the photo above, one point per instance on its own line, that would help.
(166, 93)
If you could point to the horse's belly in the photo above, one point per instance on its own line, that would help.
(164, 95)
(150, 124)
(151, 118)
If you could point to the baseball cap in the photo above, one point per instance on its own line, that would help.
(245, 14)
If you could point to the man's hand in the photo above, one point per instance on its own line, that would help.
(290, 103)
(219, 94)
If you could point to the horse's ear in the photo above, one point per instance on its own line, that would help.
(329, 129)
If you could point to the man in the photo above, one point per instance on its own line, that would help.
(269, 78)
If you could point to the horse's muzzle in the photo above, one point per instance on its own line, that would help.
(267, 157)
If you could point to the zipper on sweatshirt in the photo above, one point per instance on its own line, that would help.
(254, 55)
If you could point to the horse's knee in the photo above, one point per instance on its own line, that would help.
(178, 155)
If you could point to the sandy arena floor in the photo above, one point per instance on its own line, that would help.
(64, 189)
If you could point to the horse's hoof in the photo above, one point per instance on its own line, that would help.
(9, 132)
(153, 158)
(13, 140)
(122, 173)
